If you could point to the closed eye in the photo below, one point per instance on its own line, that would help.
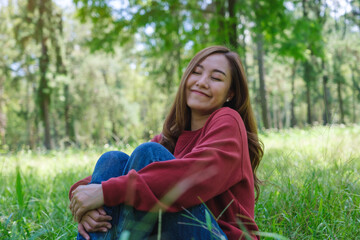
(216, 79)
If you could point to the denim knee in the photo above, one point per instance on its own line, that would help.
(110, 164)
(147, 147)
(145, 154)
(112, 158)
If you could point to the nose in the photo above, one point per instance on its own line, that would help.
(202, 81)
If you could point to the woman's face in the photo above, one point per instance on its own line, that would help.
(208, 86)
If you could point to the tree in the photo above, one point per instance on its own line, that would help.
(315, 46)
(5, 51)
(269, 21)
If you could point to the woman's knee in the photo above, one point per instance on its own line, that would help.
(110, 164)
(112, 158)
(152, 150)
(147, 147)
(145, 154)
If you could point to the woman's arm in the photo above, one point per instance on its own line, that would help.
(84, 181)
(87, 180)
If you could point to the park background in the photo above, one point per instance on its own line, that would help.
(78, 78)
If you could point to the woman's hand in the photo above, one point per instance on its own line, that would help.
(94, 221)
(86, 198)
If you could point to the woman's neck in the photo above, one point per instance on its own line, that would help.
(198, 121)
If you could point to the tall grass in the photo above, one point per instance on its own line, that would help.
(311, 187)
(311, 183)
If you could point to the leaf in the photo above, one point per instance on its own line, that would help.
(208, 220)
(19, 191)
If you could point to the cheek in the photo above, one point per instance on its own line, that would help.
(187, 87)
(221, 92)
(189, 82)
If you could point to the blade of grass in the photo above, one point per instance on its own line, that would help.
(222, 212)
(19, 190)
(159, 225)
(271, 235)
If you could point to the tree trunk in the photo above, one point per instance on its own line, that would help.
(244, 55)
(292, 104)
(232, 24)
(61, 69)
(221, 32)
(354, 95)
(44, 102)
(69, 123)
(44, 89)
(307, 73)
(308, 100)
(2, 113)
(341, 104)
(307, 79)
(30, 120)
(260, 58)
(326, 97)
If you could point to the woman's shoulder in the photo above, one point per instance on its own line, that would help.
(225, 113)
(225, 123)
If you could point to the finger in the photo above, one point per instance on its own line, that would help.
(96, 224)
(82, 232)
(92, 226)
(72, 206)
(72, 201)
(101, 211)
(100, 218)
(79, 213)
(74, 211)
(102, 229)
(87, 226)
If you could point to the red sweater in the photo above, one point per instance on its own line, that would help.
(212, 164)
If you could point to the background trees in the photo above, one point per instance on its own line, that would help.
(106, 72)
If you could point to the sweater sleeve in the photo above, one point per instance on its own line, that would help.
(156, 138)
(87, 180)
(213, 166)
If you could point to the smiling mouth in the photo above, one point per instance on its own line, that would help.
(199, 93)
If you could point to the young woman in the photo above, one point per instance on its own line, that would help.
(201, 170)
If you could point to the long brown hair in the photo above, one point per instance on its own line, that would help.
(179, 116)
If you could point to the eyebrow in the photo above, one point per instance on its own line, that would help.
(215, 70)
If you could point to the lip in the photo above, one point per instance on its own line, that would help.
(199, 92)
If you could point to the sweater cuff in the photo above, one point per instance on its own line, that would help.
(114, 191)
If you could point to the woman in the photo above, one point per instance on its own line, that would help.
(208, 152)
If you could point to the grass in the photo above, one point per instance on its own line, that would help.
(311, 187)
(312, 183)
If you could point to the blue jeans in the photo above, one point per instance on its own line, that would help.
(189, 224)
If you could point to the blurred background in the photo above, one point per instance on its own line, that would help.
(86, 73)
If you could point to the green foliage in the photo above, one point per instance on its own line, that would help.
(114, 68)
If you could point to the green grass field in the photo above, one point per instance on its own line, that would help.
(311, 187)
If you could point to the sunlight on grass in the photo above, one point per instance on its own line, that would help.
(311, 187)
(311, 183)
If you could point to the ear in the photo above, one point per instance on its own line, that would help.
(230, 95)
